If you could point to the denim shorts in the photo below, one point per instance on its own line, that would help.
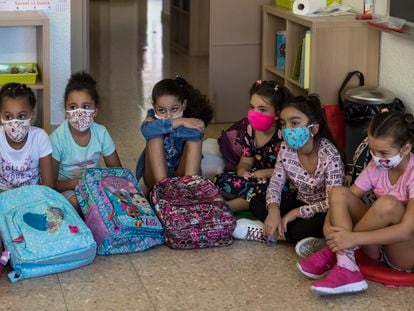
(386, 260)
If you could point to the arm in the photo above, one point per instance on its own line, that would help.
(62, 185)
(334, 177)
(265, 173)
(112, 160)
(156, 128)
(245, 166)
(46, 171)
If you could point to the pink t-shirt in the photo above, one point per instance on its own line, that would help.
(373, 178)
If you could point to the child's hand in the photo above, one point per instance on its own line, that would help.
(291, 216)
(340, 239)
(246, 174)
(191, 123)
(272, 221)
(149, 119)
(261, 175)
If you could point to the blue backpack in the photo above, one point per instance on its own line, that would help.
(43, 233)
(116, 211)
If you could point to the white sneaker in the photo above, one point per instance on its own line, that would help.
(247, 229)
(308, 246)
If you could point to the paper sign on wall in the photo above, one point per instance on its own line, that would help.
(56, 5)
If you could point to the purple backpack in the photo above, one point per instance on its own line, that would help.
(116, 211)
(230, 143)
(193, 213)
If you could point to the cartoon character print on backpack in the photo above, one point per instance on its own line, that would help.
(49, 221)
(130, 208)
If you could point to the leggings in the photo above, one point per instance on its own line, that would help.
(298, 229)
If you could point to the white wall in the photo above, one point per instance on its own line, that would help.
(21, 46)
(396, 59)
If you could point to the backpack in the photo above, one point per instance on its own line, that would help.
(193, 213)
(43, 233)
(116, 211)
(360, 160)
(230, 143)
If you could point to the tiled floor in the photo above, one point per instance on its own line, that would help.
(128, 57)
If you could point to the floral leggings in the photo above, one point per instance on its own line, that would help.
(246, 188)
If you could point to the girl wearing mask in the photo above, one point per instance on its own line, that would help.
(79, 142)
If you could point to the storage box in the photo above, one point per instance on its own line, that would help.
(18, 72)
(288, 4)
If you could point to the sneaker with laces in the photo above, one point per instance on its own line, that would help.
(308, 246)
(318, 264)
(247, 229)
(340, 281)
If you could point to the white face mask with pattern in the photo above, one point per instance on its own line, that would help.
(81, 119)
(16, 129)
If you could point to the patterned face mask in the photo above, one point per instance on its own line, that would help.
(296, 137)
(81, 119)
(16, 129)
(387, 163)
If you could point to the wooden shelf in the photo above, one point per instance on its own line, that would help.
(42, 37)
(275, 71)
(339, 44)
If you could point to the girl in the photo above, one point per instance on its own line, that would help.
(260, 146)
(385, 231)
(25, 150)
(173, 130)
(310, 160)
(79, 142)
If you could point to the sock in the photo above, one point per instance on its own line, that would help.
(346, 259)
(5, 255)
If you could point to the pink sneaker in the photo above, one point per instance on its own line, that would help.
(340, 281)
(318, 264)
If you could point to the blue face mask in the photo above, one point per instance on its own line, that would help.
(296, 137)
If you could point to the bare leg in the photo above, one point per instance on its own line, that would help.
(155, 162)
(387, 211)
(190, 163)
(238, 204)
(345, 209)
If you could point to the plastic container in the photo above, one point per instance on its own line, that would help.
(288, 4)
(24, 73)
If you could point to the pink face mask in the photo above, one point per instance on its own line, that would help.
(260, 121)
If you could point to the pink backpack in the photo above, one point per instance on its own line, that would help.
(193, 213)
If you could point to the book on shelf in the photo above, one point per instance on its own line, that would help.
(280, 55)
(301, 67)
(306, 82)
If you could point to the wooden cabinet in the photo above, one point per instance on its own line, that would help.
(338, 45)
(42, 86)
(189, 26)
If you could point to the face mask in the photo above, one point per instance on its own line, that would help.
(260, 121)
(180, 115)
(81, 119)
(296, 137)
(387, 163)
(16, 129)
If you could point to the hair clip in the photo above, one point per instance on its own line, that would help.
(276, 88)
(258, 83)
(384, 110)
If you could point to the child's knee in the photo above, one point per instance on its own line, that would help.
(388, 206)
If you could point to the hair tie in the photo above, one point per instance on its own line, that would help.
(258, 83)
(276, 88)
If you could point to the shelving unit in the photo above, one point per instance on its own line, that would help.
(190, 20)
(339, 44)
(42, 86)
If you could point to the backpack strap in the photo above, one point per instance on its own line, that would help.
(357, 73)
